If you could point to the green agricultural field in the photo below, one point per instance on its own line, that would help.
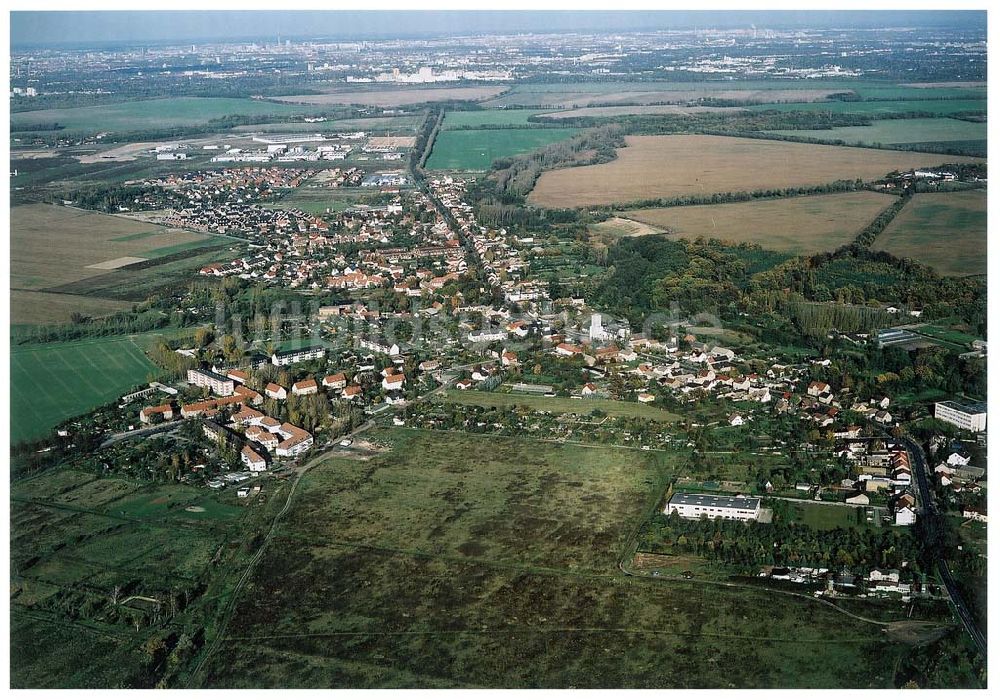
(152, 114)
(476, 149)
(56, 381)
(488, 117)
(555, 404)
(946, 230)
(898, 131)
(422, 567)
(878, 107)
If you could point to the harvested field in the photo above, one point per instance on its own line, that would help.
(570, 96)
(53, 245)
(54, 248)
(116, 263)
(796, 225)
(946, 230)
(635, 109)
(49, 307)
(665, 167)
(394, 97)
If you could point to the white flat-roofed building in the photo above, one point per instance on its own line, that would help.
(221, 386)
(968, 416)
(283, 359)
(695, 505)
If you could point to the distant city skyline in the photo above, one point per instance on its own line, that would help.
(88, 27)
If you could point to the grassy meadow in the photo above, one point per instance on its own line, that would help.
(555, 404)
(423, 568)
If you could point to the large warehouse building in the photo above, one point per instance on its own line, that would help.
(695, 505)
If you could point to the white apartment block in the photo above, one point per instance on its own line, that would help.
(971, 416)
(221, 386)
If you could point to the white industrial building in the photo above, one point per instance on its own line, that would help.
(970, 416)
(695, 505)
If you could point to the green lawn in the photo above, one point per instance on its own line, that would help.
(824, 517)
(488, 117)
(476, 149)
(56, 381)
(152, 114)
(555, 404)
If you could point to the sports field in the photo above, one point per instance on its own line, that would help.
(796, 225)
(476, 149)
(151, 114)
(898, 131)
(664, 167)
(555, 404)
(56, 381)
(421, 567)
(946, 230)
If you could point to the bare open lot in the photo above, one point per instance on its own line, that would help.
(797, 225)
(393, 97)
(663, 167)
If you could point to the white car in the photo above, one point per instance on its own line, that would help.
(346, 443)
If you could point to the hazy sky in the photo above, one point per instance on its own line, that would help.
(99, 27)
